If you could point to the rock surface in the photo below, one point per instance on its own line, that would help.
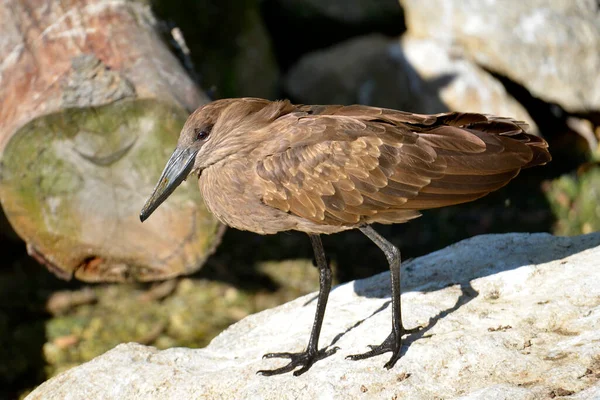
(550, 47)
(418, 75)
(459, 83)
(504, 316)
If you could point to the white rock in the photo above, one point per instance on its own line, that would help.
(552, 47)
(513, 316)
(411, 74)
(458, 82)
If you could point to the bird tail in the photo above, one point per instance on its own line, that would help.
(472, 174)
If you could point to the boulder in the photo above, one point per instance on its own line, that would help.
(503, 316)
(418, 75)
(358, 70)
(552, 47)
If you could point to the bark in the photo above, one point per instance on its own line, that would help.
(92, 104)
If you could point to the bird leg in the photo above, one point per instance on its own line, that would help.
(312, 354)
(393, 342)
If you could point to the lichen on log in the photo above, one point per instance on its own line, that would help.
(74, 182)
(92, 103)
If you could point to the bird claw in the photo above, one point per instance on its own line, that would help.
(389, 344)
(303, 359)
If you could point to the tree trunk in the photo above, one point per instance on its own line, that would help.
(92, 104)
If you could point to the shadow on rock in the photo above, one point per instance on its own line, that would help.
(470, 260)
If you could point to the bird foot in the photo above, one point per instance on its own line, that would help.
(303, 359)
(389, 344)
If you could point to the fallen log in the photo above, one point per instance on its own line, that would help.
(91, 104)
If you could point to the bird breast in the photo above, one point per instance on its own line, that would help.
(231, 192)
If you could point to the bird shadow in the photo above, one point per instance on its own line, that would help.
(425, 275)
(468, 293)
(360, 322)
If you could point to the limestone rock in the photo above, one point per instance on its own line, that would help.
(552, 47)
(459, 83)
(358, 70)
(504, 316)
(417, 75)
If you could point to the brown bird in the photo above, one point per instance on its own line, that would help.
(268, 167)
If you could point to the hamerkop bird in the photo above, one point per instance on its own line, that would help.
(268, 167)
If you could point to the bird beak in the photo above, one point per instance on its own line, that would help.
(177, 169)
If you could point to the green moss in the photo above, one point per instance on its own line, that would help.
(47, 157)
(70, 178)
(575, 202)
(195, 312)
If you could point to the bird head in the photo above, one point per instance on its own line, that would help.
(211, 133)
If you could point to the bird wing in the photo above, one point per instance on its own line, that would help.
(357, 164)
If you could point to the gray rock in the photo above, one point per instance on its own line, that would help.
(513, 316)
(552, 47)
(359, 70)
(459, 83)
(417, 75)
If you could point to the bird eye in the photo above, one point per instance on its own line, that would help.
(201, 133)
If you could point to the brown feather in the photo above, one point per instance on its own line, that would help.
(338, 167)
(382, 163)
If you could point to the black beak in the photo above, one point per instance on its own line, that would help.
(177, 169)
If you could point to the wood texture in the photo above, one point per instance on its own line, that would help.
(91, 98)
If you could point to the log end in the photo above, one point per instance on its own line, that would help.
(72, 185)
